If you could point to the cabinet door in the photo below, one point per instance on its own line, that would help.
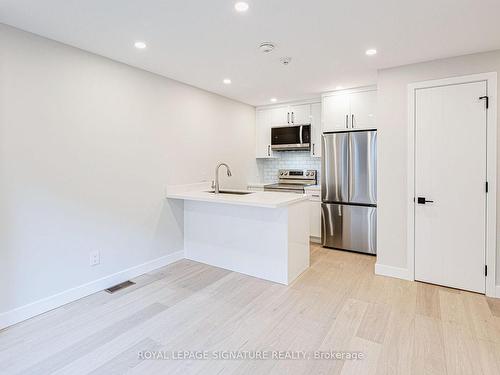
(335, 112)
(363, 109)
(279, 116)
(300, 114)
(263, 134)
(316, 130)
(315, 218)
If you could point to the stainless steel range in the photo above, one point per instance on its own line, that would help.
(293, 180)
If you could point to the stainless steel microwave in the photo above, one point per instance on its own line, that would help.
(297, 137)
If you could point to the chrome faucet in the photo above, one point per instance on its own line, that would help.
(216, 184)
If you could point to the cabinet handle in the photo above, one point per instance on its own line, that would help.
(313, 150)
(268, 150)
(352, 121)
(288, 117)
(347, 121)
(293, 118)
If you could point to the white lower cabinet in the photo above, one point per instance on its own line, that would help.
(314, 195)
(315, 218)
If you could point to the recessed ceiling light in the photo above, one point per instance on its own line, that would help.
(274, 100)
(371, 52)
(227, 81)
(140, 45)
(241, 6)
(338, 88)
(266, 47)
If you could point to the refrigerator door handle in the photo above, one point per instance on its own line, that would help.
(350, 171)
(347, 121)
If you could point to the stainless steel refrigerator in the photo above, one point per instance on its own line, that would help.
(349, 191)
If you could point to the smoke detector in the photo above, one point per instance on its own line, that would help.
(266, 47)
(286, 60)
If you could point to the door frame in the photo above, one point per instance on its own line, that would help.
(491, 171)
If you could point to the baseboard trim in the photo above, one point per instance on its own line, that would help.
(19, 314)
(315, 239)
(390, 271)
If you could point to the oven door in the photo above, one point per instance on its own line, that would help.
(291, 138)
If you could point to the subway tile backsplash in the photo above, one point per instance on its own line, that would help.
(268, 168)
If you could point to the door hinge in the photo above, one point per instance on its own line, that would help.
(486, 186)
(487, 100)
(485, 270)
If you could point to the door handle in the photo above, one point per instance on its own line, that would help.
(352, 121)
(347, 121)
(268, 150)
(422, 200)
(487, 100)
(288, 117)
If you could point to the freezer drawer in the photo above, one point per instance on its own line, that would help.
(349, 227)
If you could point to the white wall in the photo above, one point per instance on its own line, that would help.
(87, 147)
(392, 145)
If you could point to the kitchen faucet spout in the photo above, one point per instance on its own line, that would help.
(228, 170)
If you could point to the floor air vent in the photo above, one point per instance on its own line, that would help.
(120, 286)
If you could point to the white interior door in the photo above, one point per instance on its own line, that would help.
(450, 170)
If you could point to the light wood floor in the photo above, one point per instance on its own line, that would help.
(338, 304)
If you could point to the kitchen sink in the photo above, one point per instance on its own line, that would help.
(231, 192)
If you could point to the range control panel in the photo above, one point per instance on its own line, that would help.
(297, 174)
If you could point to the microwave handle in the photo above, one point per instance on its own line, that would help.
(300, 134)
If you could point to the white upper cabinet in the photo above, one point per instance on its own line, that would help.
(347, 110)
(300, 114)
(316, 130)
(335, 111)
(263, 134)
(286, 115)
(363, 109)
(290, 115)
(278, 116)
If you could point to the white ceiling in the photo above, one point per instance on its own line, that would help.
(200, 42)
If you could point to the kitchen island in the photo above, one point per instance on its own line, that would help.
(261, 234)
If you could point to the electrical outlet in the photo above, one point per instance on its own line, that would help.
(95, 258)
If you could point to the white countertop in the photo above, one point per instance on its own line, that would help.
(266, 199)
